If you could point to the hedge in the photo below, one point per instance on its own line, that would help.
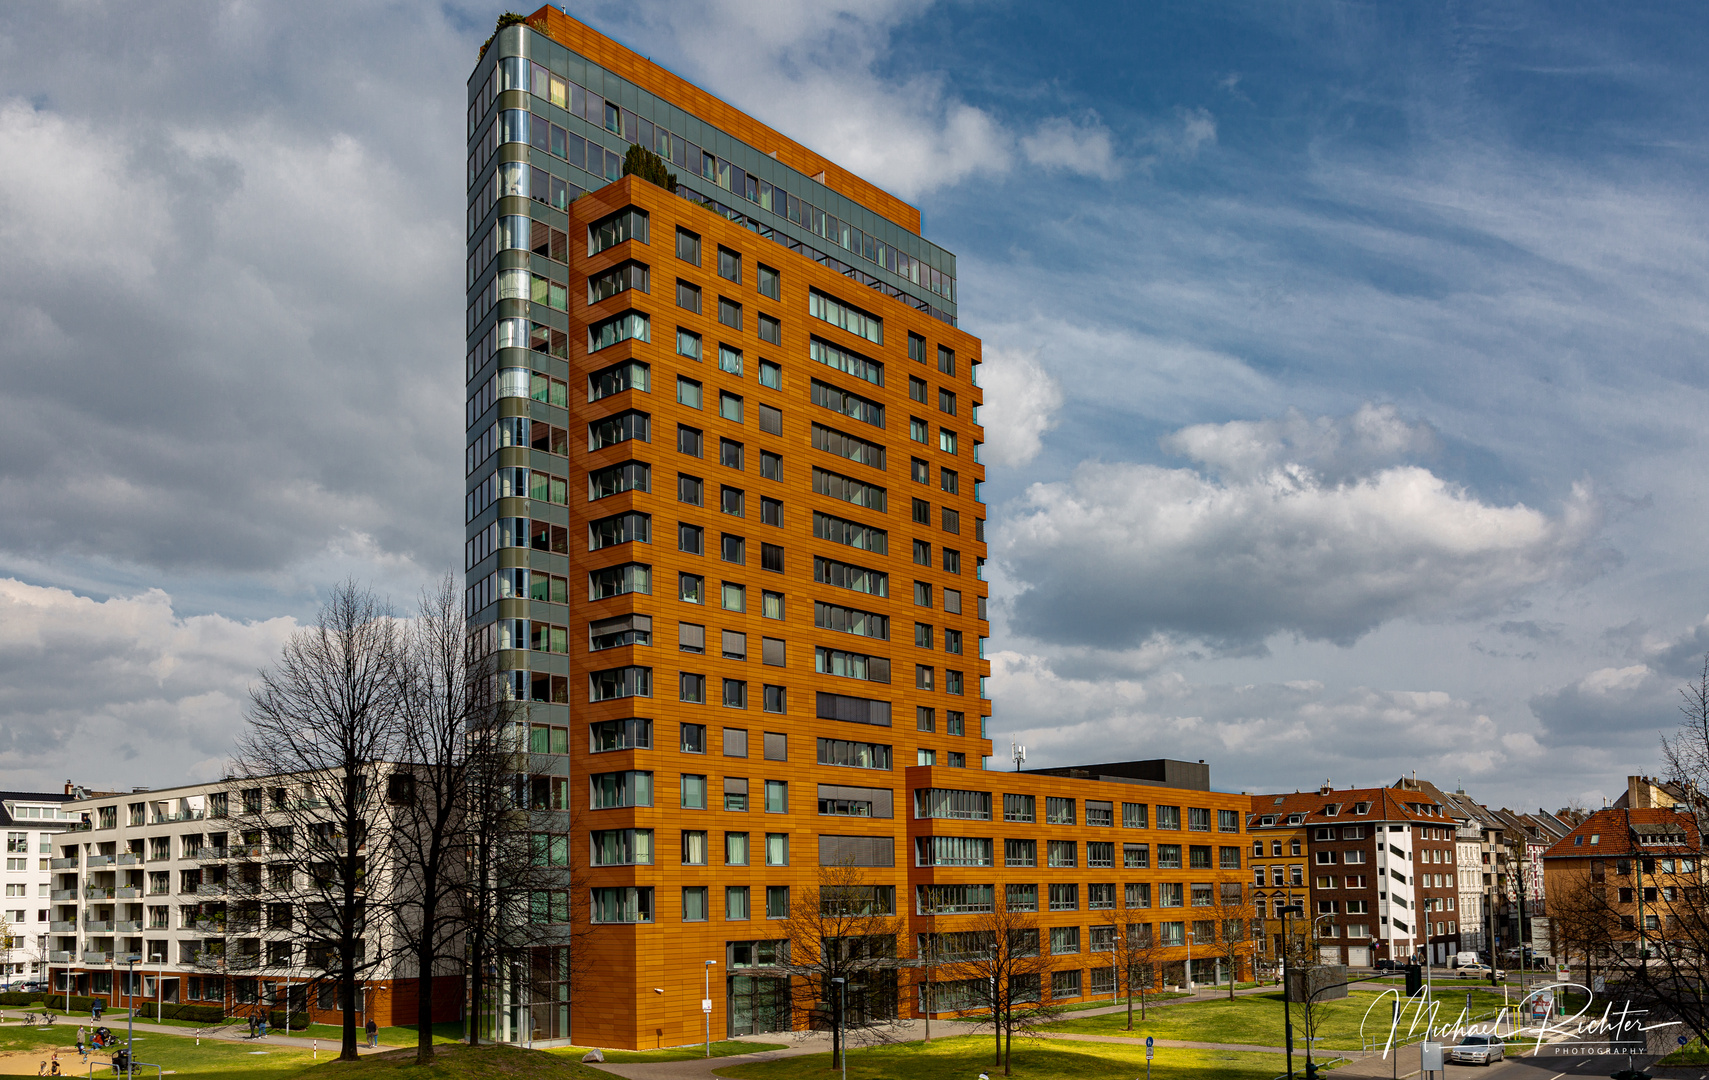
(201, 1014)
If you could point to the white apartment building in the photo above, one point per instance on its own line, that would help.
(30, 820)
(1468, 848)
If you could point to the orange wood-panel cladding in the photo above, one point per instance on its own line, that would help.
(634, 961)
(655, 79)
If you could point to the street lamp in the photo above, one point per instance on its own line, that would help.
(842, 1033)
(1288, 1013)
(706, 1005)
(1189, 961)
(130, 1016)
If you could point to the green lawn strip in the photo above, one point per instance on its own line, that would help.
(213, 1058)
(1256, 1020)
(1036, 1059)
(1692, 1053)
(454, 1062)
(723, 1048)
(447, 1032)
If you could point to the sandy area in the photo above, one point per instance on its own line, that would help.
(26, 1064)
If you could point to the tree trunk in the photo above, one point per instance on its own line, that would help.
(1009, 1051)
(424, 1004)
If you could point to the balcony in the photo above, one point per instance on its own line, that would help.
(58, 956)
(244, 962)
(194, 853)
(98, 926)
(209, 926)
(64, 896)
(245, 926)
(97, 957)
(99, 892)
(71, 863)
(211, 888)
(247, 851)
(126, 858)
(128, 892)
(246, 888)
(62, 926)
(128, 926)
(100, 860)
(182, 815)
(213, 854)
(209, 961)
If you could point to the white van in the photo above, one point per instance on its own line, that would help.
(1462, 959)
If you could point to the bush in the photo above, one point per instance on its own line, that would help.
(299, 1020)
(642, 162)
(200, 1014)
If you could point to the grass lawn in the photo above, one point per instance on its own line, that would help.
(1034, 1059)
(1692, 1053)
(1256, 1019)
(213, 1058)
(723, 1048)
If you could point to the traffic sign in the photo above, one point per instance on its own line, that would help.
(1682, 1040)
(1149, 1048)
(705, 1005)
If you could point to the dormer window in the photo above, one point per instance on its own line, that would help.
(1332, 809)
(1296, 819)
(1267, 820)
(1362, 808)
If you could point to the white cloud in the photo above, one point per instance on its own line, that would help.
(1084, 147)
(1021, 403)
(1122, 551)
(1334, 447)
(122, 691)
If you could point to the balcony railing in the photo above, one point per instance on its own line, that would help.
(247, 851)
(246, 888)
(209, 926)
(211, 888)
(99, 892)
(100, 860)
(97, 957)
(69, 863)
(62, 926)
(182, 815)
(209, 961)
(98, 926)
(244, 962)
(128, 926)
(60, 896)
(194, 853)
(128, 892)
(125, 858)
(211, 853)
(58, 956)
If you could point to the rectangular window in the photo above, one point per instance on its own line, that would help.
(693, 737)
(1100, 854)
(946, 440)
(694, 903)
(691, 687)
(951, 521)
(730, 406)
(1138, 895)
(771, 465)
(689, 441)
(729, 265)
(946, 360)
(732, 549)
(1169, 856)
(622, 905)
(771, 420)
(733, 501)
(916, 348)
(1018, 808)
(629, 326)
(853, 755)
(924, 677)
(849, 363)
(776, 798)
(735, 694)
(850, 533)
(1020, 852)
(771, 606)
(1063, 853)
(1136, 856)
(769, 283)
(1228, 821)
(770, 329)
(847, 488)
(1058, 811)
(690, 490)
(771, 375)
(735, 903)
(730, 314)
(946, 402)
(690, 538)
(1065, 898)
(691, 588)
(736, 800)
(608, 232)
(1168, 817)
(688, 392)
(688, 296)
(776, 699)
(846, 316)
(925, 719)
(687, 246)
(733, 596)
(847, 404)
(848, 446)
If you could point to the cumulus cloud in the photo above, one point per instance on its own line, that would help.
(1121, 551)
(121, 691)
(1335, 448)
(1021, 403)
(1082, 146)
(1259, 736)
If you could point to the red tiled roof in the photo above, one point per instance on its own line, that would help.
(1615, 828)
(1387, 804)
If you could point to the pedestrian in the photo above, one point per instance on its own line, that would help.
(263, 1025)
(53, 1069)
(373, 1030)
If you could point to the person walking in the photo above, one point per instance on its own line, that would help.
(373, 1031)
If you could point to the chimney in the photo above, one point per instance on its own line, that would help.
(68, 787)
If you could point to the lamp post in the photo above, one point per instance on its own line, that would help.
(130, 1015)
(1189, 961)
(706, 1005)
(1287, 1012)
(842, 1008)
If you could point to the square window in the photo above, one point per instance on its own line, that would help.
(922, 594)
(776, 699)
(771, 375)
(771, 465)
(687, 343)
(946, 440)
(693, 902)
(736, 697)
(689, 441)
(922, 635)
(955, 722)
(690, 538)
(690, 490)
(770, 283)
(736, 800)
(733, 501)
(732, 549)
(771, 605)
(957, 759)
(734, 644)
(688, 392)
(730, 454)
(771, 558)
(952, 601)
(771, 420)
(776, 749)
(922, 553)
(922, 512)
(952, 561)
(771, 512)
(924, 677)
(917, 389)
(693, 738)
(734, 596)
(730, 406)
(688, 296)
(691, 637)
(729, 265)
(729, 313)
(771, 330)
(946, 402)
(951, 520)
(693, 792)
(691, 588)
(691, 687)
(952, 640)
(730, 360)
(688, 246)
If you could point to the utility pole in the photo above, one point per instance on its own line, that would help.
(1288, 912)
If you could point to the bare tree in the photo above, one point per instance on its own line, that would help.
(448, 701)
(322, 723)
(845, 928)
(1000, 968)
(1580, 920)
(1139, 957)
(1223, 929)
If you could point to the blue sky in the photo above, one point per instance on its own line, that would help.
(1344, 361)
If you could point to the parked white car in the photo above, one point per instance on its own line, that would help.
(1478, 971)
(1477, 1050)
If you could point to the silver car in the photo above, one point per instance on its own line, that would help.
(1477, 1050)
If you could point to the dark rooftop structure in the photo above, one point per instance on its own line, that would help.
(1193, 776)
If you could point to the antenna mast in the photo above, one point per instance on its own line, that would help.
(1019, 753)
